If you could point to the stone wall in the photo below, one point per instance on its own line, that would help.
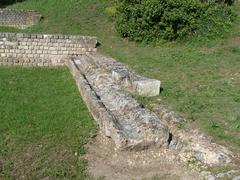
(42, 50)
(18, 18)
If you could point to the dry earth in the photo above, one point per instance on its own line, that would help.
(104, 162)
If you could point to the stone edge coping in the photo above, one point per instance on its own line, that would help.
(47, 36)
(22, 10)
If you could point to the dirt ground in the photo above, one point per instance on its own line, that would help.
(106, 163)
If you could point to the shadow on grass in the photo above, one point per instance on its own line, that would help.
(5, 3)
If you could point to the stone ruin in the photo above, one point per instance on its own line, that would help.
(18, 18)
(106, 87)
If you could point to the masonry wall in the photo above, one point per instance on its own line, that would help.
(18, 18)
(42, 50)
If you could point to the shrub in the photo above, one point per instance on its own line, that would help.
(4, 3)
(153, 20)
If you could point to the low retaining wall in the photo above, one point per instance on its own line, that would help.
(42, 50)
(18, 18)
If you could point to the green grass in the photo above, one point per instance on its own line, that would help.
(44, 124)
(200, 79)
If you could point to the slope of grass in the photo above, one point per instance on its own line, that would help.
(200, 79)
(44, 124)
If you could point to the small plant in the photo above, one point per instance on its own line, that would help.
(111, 11)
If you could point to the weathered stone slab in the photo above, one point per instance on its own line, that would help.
(147, 87)
(127, 77)
(191, 143)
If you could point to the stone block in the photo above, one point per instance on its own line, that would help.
(127, 77)
(147, 87)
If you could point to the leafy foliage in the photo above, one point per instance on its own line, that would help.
(153, 20)
(4, 3)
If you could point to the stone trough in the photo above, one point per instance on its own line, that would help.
(119, 115)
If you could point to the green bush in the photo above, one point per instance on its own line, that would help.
(4, 3)
(153, 20)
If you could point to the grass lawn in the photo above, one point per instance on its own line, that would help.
(44, 124)
(200, 79)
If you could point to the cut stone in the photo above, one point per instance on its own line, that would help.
(147, 87)
(118, 115)
(126, 77)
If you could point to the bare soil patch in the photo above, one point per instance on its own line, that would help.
(105, 162)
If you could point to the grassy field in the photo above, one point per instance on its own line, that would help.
(200, 79)
(44, 124)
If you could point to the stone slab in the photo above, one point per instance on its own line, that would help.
(126, 77)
